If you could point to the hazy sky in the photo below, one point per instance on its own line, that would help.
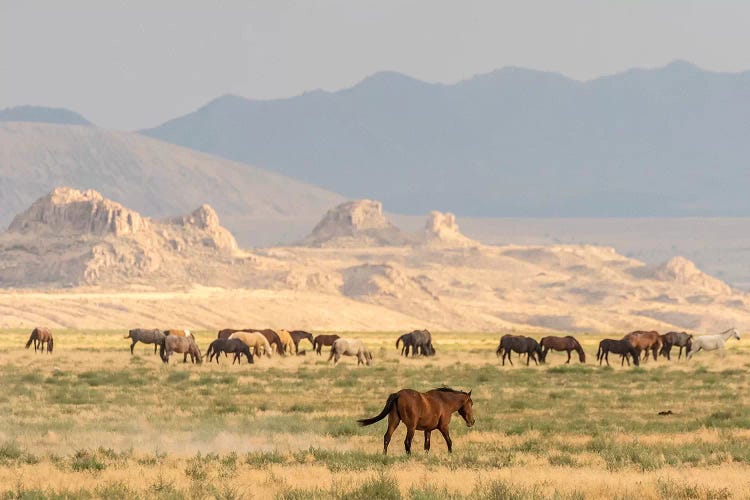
(134, 64)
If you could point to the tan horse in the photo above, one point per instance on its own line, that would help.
(645, 341)
(350, 347)
(287, 342)
(182, 345)
(179, 333)
(255, 341)
(40, 336)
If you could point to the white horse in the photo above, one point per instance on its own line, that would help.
(713, 342)
(350, 347)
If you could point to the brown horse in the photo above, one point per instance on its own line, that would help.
(424, 411)
(40, 336)
(321, 340)
(185, 345)
(567, 344)
(298, 336)
(645, 341)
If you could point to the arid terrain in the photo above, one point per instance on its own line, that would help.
(77, 260)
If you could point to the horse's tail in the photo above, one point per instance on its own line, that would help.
(386, 410)
(499, 350)
(162, 350)
(599, 352)
(399, 340)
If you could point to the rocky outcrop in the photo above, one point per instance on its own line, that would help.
(72, 237)
(355, 224)
(70, 211)
(682, 271)
(442, 229)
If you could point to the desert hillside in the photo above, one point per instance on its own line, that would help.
(155, 178)
(356, 270)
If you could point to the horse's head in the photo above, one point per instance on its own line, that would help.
(467, 410)
(735, 333)
(368, 358)
(49, 345)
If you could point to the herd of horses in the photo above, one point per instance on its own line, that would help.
(428, 411)
(633, 346)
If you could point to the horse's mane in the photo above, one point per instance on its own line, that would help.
(448, 389)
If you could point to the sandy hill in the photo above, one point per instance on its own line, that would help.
(153, 177)
(128, 269)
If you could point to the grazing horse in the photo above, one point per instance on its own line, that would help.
(287, 342)
(350, 347)
(519, 344)
(713, 342)
(234, 346)
(298, 336)
(271, 336)
(255, 341)
(679, 339)
(420, 342)
(621, 346)
(567, 344)
(321, 340)
(146, 336)
(424, 411)
(645, 341)
(186, 345)
(40, 336)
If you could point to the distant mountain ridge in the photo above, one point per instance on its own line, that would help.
(41, 114)
(672, 141)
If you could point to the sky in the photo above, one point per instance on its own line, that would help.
(135, 64)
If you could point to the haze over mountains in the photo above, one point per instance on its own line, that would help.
(673, 141)
(154, 177)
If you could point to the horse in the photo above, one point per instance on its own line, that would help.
(234, 346)
(713, 342)
(40, 336)
(424, 411)
(679, 339)
(271, 336)
(645, 341)
(146, 336)
(350, 347)
(186, 345)
(287, 342)
(321, 340)
(179, 333)
(518, 344)
(567, 344)
(255, 341)
(621, 346)
(298, 336)
(420, 342)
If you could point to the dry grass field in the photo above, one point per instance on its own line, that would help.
(90, 420)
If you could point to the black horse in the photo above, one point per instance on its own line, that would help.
(623, 347)
(232, 346)
(521, 345)
(419, 341)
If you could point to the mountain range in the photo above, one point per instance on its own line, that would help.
(672, 141)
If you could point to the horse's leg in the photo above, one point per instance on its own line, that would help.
(427, 441)
(444, 431)
(606, 357)
(132, 345)
(409, 436)
(155, 347)
(393, 421)
(184, 359)
(568, 361)
(509, 358)
(679, 356)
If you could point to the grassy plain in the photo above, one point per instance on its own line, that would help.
(90, 420)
